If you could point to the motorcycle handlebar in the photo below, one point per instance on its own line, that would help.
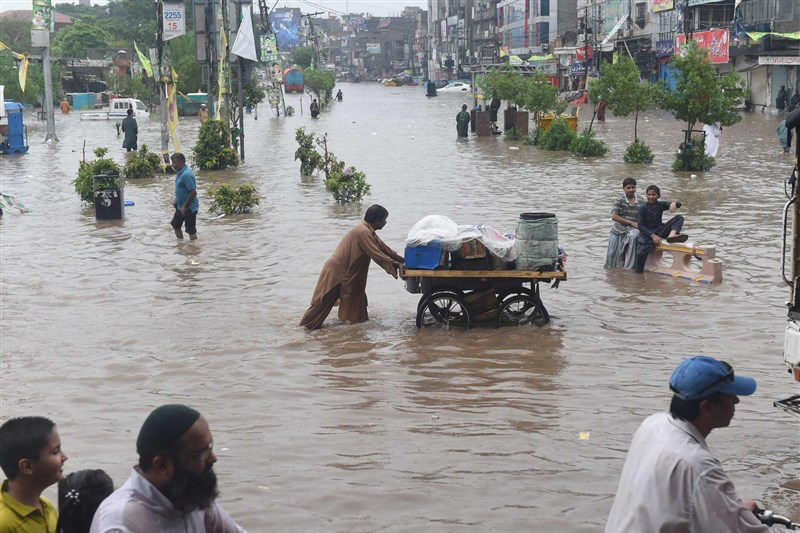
(770, 519)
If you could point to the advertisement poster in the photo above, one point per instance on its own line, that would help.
(715, 41)
(583, 53)
(174, 21)
(269, 49)
(374, 48)
(285, 24)
(663, 5)
(42, 15)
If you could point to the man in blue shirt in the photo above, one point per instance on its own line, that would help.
(186, 204)
(651, 229)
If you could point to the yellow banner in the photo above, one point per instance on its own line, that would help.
(144, 61)
(172, 111)
(23, 67)
(756, 35)
(223, 46)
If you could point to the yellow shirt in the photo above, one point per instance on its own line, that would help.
(16, 517)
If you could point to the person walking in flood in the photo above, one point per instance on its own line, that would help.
(670, 481)
(314, 108)
(186, 204)
(462, 121)
(339, 96)
(131, 130)
(712, 131)
(344, 275)
(64, 107)
(780, 99)
(203, 113)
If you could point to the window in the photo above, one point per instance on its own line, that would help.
(641, 14)
(140, 106)
(544, 8)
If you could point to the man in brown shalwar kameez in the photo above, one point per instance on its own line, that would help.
(344, 275)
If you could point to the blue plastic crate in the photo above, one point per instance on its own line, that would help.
(427, 257)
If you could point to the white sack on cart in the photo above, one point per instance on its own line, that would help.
(450, 235)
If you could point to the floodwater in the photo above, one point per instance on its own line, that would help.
(380, 426)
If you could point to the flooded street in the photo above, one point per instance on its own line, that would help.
(380, 426)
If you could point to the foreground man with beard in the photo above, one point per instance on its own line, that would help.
(174, 488)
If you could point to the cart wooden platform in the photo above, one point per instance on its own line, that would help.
(459, 298)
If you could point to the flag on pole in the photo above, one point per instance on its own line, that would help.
(23, 72)
(144, 61)
(172, 110)
(223, 45)
(244, 45)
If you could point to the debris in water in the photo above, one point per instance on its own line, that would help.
(584, 435)
(513, 147)
(694, 175)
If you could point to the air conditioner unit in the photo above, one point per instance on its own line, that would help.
(545, 47)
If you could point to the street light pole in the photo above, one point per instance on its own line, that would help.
(48, 96)
(240, 83)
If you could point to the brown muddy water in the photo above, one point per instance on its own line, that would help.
(380, 426)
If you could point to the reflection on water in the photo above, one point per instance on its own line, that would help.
(380, 426)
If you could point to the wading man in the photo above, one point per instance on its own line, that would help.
(131, 130)
(173, 489)
(671, 482)
(186, 204)
(344, 275)
(462, 121)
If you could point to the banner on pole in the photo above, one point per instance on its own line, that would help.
(715, 41)
(42, 17)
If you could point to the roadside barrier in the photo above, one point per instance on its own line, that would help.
(681, 266)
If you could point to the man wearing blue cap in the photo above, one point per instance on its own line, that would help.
(670, 481)
(173, 489)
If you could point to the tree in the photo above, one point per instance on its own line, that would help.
(539, 97)
(74, 40)
(700, 96)
(15, 32)
(321, 82)
(190, 72)
(303, 56)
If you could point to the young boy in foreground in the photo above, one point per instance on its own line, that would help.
(651, 230)
(32, 460)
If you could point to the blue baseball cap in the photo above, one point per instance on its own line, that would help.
(701, 376)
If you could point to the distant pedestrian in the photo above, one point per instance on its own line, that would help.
(494, 107)
(794, 103)
(339, 96)
(601, 112)
(314, 108)
(131, 130)
(64, 107)
(203, 113)
(625, 231)
(780, 100)
(32, 460)
(785, 136)
(462, 121)
(186, 204)
(712, 132)
(79, 496)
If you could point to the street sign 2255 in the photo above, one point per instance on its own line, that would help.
(174, 20)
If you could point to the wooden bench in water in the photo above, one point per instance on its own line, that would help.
(709, 272)
(459, 298)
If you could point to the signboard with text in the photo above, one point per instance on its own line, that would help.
(665, 47)
(583, 53)
(663, 5)
(717, 42)
(374, 48)
(174, 20)
(779, 60)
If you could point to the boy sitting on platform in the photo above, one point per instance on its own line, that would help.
(622, 241)
(651, 230)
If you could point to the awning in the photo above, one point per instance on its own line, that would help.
(746, 66)
(615, 29)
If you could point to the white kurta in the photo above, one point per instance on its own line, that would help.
(138, 507)
(672, 484)
(713, 132)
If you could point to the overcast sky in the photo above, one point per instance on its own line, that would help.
(374, 7)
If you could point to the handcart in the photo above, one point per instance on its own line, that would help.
(459, 298)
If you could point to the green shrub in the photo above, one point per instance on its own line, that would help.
(513, 135)
(558, 136)
(142, 164)
(213, 149)
(693, 157)
(530, 139)
(87, 170)
(228, 200)
(347, 185)
(587, 145)
(638, 152)
(309, 158)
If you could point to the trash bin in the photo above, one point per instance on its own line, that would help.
(109, 197)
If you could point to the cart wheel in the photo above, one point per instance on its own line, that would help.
(522, 309)
(446, 308)
(510, 293)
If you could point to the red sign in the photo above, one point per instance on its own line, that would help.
(715, 41)
(583, 53)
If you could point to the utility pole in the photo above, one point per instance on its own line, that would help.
(240, 80)
(162, 88)
(48, 96)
